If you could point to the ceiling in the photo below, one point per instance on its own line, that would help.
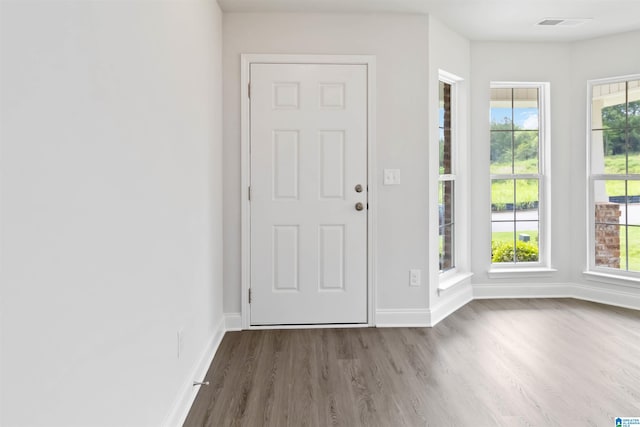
(497, 20)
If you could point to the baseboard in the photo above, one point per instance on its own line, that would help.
(603, 294)
(608, 295)
(522, 290)
(188, 392)
(390, 318)
(233, 321)
(449, 303)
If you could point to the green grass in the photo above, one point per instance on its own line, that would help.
(634, 249)
(507, 236)
(520, 166)
(527, 190)
(502, 191)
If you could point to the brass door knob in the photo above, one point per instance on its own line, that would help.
(359, 206)
(358, 188)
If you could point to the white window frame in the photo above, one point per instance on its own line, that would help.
(460, 272)
(451, 177)
(598, 272)
(543, 266)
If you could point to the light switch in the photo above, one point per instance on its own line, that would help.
(391, 176)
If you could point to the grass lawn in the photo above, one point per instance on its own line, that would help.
(507, 236)
(527, 190)
(502, 191)
(634, 248)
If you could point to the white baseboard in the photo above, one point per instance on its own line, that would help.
(448, 303)
(522, 290)
(610, 295)
(604, 294)
(188, 392)
(233, 321)
(390, 318)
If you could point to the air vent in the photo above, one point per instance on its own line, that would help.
(551, 22)
(563, 22)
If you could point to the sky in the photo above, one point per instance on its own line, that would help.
(525, 118)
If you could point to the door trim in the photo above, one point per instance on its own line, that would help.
(245, 168)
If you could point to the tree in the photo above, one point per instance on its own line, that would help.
(623, 127)
(502, 142)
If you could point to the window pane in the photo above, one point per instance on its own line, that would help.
(632, 214)
(441, 106)
(609, 191)
(633, 150)
(608, 152)
(527, 194)
(633, 131)
(445, 202)
(609, 240)
(445, 128)
(441, 152)
(633, 109)
(501, 108)
(502, 242)
(525, 108)
(445, 152)
(608, 106)
(503, 195)
(501, 155)
(630, 245)
(526, 152)
(527, 232)
(446, 247)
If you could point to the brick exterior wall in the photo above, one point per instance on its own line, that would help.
(608, 235)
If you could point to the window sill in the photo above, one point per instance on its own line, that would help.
(448, 281)
(614, 279)
(509, 273)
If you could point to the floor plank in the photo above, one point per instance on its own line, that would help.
(546, 362)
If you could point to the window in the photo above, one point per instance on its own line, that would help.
(446, 180)
(518, 138)
(614, 179)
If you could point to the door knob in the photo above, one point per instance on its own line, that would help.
(359, 206)
(358, 188)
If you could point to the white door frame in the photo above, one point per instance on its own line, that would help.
(245, 244)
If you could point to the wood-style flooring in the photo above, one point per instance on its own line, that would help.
(545, 362)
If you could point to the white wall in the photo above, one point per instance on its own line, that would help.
(523, 62)
(567, 66)
(399, 43)
(449, 52)
(604, 57)
(111, 207)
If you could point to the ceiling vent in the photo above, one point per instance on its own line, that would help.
(563, 22)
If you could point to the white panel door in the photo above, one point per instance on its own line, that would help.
(308, 153)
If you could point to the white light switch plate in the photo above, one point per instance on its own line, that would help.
(391, 176)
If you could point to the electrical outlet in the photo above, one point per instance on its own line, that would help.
(414, 277)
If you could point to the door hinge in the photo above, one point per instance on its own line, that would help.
(249, 90)
(249, 295)
(249, 192)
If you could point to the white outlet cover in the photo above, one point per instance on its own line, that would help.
(414, 277)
